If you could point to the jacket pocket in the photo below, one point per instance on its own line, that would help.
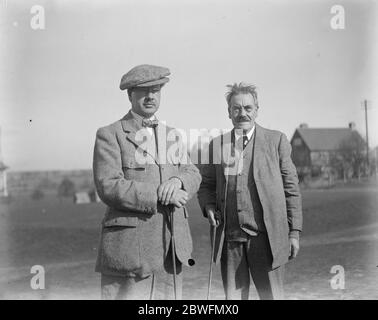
(120, 250)
(132, 170)
(131, 163)
(121, 222)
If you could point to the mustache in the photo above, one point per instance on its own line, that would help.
(149, 101)
(241, 119)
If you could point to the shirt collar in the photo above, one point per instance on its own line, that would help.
(249, 134)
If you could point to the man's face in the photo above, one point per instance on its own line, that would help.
(145, 101)
(242, 111)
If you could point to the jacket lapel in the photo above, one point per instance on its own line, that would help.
(259, 149)
(131, 126)
(227, 160)
(163, 143)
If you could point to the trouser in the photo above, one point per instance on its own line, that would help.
(253, 257)
(157, 286)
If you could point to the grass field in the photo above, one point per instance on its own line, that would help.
(340, 228)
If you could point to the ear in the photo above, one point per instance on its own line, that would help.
(229, 112)
(256, 113)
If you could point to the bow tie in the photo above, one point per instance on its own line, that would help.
(150, 123)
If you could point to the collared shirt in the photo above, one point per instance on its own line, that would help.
(237, 136)
(249, 134)
(139, 118)
(150, 143)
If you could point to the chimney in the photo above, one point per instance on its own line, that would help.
(1, 154)
(352, 126)
(303, 126)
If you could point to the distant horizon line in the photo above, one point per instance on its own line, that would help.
(44, 170)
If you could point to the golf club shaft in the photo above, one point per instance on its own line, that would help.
(211, 260)
(173, 254)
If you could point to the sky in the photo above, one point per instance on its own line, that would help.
(60, 84)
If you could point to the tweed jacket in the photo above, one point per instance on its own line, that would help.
(276, 182)
(135, 234)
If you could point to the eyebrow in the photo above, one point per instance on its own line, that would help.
(238, 105)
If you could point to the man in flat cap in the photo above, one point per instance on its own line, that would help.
(145, 186)
(250, 193)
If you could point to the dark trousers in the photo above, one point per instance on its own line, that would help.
(240, 260)
(158, 286)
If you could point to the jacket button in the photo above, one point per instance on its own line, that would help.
(238, 191)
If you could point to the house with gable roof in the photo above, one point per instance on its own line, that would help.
(314, 148)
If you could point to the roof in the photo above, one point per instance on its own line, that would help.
(324, 139)
(2, 166)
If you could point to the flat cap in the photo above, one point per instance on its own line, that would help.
(144, 75)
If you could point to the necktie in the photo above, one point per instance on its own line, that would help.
(245, 140)
(150, 123)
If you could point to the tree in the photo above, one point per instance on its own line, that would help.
(350, 158)
(66, 188)
(37, 194)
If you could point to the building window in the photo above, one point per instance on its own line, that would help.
(297, 142)
(320, 158)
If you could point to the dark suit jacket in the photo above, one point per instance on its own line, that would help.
(135, 236)
(276, 182)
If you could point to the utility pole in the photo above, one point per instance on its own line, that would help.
(367, 133)
(3, 174)
(376, 162)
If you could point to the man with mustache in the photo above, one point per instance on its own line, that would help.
(250, 195)
(145, 189)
